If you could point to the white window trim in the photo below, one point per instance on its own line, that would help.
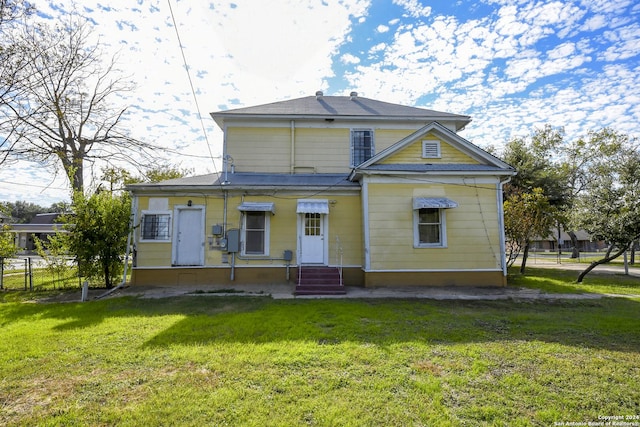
(416, 231)
(438, 149)
(351, 148)
(170, 225)
(267, 235)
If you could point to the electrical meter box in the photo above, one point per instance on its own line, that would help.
(233, 240)
(216, 230)
(288, 255)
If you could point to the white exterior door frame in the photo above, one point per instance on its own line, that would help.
(314, 248)
(188, 236)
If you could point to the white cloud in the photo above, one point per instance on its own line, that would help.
(382, 28)
(414, 8)
(348, 58)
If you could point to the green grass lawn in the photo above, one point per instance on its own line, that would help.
(555, 280)
(212, 360)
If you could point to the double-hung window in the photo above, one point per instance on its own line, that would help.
(429, 221)
(255, 227)
(429, 227)
(256, 233)
(362, 148)
(155, 226)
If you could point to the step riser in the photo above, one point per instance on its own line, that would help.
(319, 281)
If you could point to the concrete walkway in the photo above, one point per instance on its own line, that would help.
(433, 293)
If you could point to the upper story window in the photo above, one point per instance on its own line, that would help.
(362, 148)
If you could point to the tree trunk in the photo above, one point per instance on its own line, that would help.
(575, 252)
(107, 276)
(525, 255)
(604, 260)
(632, 261)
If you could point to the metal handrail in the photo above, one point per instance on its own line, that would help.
(339, 254)
(298, 260)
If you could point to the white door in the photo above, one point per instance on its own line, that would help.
(188, 244)
(312, 239)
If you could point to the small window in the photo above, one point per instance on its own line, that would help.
(155, 226)
(429, 228)
(312, 224)
(431, 149)
(361, 146)
(256, 233)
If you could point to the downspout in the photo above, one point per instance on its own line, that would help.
(365, 223)
(292, 166)
(503, 249)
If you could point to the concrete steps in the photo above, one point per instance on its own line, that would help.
(319, 280)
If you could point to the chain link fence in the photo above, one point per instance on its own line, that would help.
(33, 273)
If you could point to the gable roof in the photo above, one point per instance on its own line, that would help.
(488, 162)
(328, 107)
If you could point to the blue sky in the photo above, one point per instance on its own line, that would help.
(512, 65)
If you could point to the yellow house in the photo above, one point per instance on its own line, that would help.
(326, 191)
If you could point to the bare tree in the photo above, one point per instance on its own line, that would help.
(57, 101)
(12, 10)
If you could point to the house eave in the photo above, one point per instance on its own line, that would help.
(460, 121)
(357, 173)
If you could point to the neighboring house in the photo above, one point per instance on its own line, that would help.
(41, 227)
(583, 239)
(384, 194)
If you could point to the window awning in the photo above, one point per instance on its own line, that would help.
(433, 203)
(257, 207)
(313, 206)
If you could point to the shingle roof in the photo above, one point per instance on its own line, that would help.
(251, 180)
(257, 180)
(339, 106)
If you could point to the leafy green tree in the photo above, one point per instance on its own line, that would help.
(54, 251)
(98, 230)
(535, 160)
(22, 211)
(118, 178)
(608, 205)
(165, 172)
(8, 247)
(527, 215)
(537, 196)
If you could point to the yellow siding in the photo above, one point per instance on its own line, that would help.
(385, 138)
(251, 147)
(345, 223)
(413, 154)
(472, 233)
(322, 150)
(153, 254)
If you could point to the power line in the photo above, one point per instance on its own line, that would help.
(23, 184)
(193, 92)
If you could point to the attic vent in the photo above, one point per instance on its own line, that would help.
(319, 94)
(431, 149)
(353, 95)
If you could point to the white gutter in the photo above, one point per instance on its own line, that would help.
(503, 249)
